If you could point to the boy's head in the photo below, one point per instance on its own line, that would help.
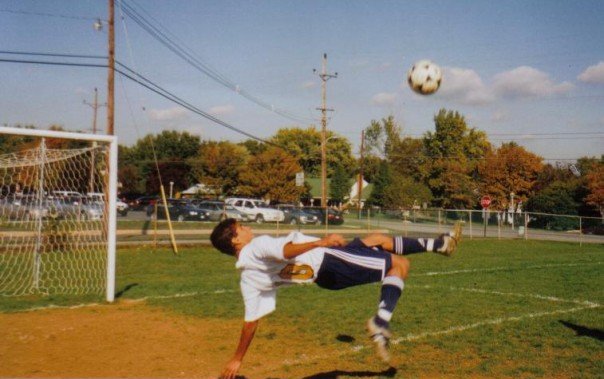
(229, 236)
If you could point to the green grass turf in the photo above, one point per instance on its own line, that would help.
(501, 286)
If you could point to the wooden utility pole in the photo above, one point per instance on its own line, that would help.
(324, 77)
(95, 106)
(111, 73)
(360, 186)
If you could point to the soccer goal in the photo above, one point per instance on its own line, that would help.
(54, 237)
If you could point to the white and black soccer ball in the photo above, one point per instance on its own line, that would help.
(424, 77)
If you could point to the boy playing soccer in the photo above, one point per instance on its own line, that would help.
(268, 262)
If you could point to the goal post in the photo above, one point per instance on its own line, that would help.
(54, 239)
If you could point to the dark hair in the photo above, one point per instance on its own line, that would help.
(223, 234)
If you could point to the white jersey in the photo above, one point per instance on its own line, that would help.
(263, 269)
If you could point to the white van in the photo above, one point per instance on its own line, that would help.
(255, 209)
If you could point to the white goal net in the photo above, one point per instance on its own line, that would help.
(57, 213)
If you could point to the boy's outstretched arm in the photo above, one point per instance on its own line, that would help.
(292, 250)
(247, 334)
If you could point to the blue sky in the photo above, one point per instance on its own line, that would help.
(530, 71)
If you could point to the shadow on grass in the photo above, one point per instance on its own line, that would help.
(584, 331)
(335, 374)
(126, 289)
(345, 338)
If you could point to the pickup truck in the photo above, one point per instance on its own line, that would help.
(256, 210)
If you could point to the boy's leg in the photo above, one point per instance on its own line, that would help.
(445, 244)
(392, 287)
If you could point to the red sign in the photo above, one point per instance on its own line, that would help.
(485, 201)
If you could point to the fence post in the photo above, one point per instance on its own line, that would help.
(580, 231)
(368, 219)
(439, 220)
(470, 213)
(525, 226)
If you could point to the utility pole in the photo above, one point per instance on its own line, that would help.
(324, 77)
(111, 73)
(95, 106)
(360, 187)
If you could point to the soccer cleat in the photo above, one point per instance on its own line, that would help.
(381, 338)
(451, 240)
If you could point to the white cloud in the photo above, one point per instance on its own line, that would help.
(169, 114)
(383, 99)
(499, 116)
(593, 74)
(310, 84)
(221, 110)
(526, 81)
(464, 86)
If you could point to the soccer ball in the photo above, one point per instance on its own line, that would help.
(424, 77)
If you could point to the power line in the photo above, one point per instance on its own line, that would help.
(150, 86)
(47, 14)
(183, 52)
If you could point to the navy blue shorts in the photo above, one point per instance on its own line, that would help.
(352, 265)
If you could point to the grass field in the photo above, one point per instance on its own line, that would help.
(519, 309)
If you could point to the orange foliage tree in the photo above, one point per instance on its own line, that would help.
(510, 168)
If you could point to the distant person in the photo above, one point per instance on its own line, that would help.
(268, 262)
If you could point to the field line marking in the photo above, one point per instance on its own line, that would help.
(468, 271)
(515, 294)
(583, 305)
(124, 301)
(495, 321)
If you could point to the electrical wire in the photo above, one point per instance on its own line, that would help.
(197, 63)
(150, 86)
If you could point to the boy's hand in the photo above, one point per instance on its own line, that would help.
(230, 371)
(333, 240)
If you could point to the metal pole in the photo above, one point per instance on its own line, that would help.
(580, 231)
(484, 221)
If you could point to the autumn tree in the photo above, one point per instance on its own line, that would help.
(509, 169)
(595, 185)
(218, 165)
(271, 175)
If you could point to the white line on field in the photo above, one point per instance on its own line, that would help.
(508, 268)
(495, 321)
(460, 328)
(136, 300)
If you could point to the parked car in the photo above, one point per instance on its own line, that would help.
(182, 211)
(122, 207)
(256, 210)
(334, 217)
(220, 211)
(295, 215)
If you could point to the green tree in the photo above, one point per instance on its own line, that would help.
(555, 199)
(380, 184)
(339, 187)
(404, 192)
(305, 145)
(453, 150)
(169, 150)
(271, 175)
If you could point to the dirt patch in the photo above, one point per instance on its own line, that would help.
(136, 340)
